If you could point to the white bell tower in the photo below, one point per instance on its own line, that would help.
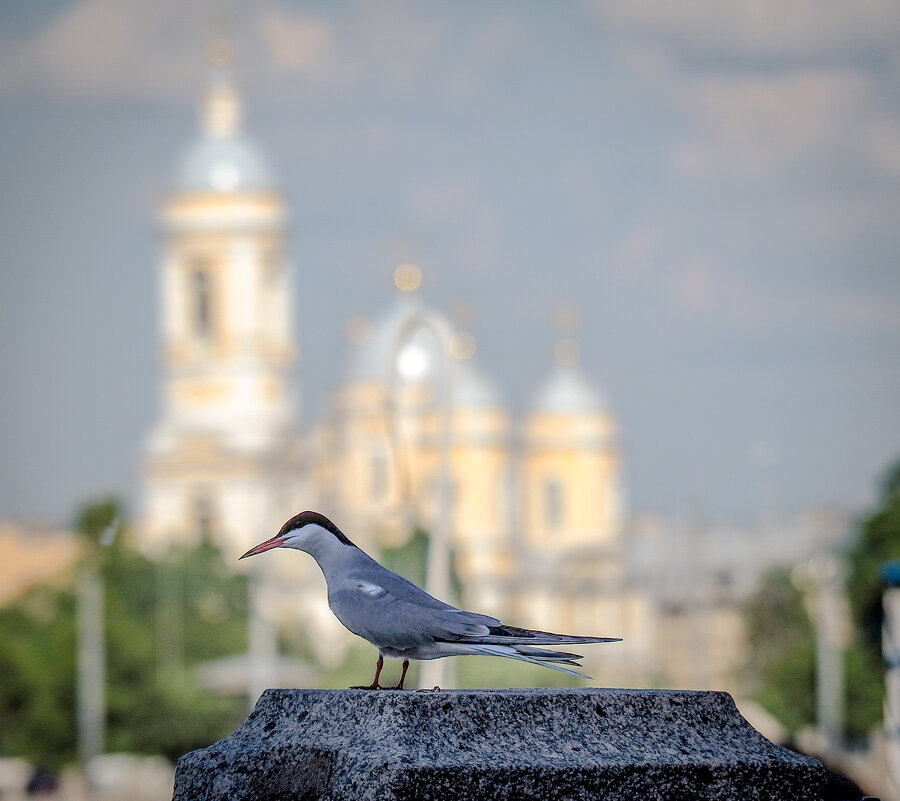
(223, 462)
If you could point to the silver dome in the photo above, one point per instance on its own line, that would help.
(221, 159)
(223, 165)
(472, 389)
(567, 391)
(371, 361)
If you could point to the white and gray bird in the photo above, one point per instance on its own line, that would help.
(401, 620)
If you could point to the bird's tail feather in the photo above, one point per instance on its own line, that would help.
(512, 635)
(550, 659)
(543, 653)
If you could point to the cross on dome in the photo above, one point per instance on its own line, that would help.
(222, 160)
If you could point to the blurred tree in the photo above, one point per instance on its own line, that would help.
(863, 690)
(37, 663)
(410, 558)
(780, 670)
(100, 522)
(877, 541)
(152, 706)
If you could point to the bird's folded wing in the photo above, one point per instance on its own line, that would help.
(441, 623)
(390, 611)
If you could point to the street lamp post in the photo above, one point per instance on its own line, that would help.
(890, 644)
(821, 578)
(437, 575)
(91, 648)
(829, 648)
(91, 667)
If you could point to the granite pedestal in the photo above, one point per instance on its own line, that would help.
(548, 744)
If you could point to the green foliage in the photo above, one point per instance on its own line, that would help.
(780, 634)
(161, 618)
(93, 519)
(37, 663)
(863, 690)
(358, 667)
(877, 541)
(409, 559)
(781, 667)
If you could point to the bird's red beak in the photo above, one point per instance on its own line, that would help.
(277, 540)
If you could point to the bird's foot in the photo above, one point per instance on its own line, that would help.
(373, 686)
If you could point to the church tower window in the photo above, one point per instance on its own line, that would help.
(201, 312)
(554, 503)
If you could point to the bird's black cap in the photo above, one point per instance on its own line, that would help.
(305, 518)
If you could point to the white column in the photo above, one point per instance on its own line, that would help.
(244, 293)
(171, 323)
(172, 327)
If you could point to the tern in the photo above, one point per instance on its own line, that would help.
(403, 621)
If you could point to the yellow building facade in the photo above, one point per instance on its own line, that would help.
(535, 518)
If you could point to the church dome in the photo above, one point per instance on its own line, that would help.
(222, 159)
(418, 359)
(223, 165)
(567, 391)
(372, 359)
(472, 389)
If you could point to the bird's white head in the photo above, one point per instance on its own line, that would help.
(301, 532)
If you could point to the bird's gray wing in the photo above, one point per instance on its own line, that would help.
(390, 611)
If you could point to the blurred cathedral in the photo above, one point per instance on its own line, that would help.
(417, 436)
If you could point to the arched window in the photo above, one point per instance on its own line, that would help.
(554, 503)
(201, 303)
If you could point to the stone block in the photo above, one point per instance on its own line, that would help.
(547, 744)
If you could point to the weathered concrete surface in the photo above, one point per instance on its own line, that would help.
(543, 744)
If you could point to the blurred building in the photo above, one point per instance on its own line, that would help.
(31, 555)
(537, 522)
(697, 575)
(537, 530)
(224, 459)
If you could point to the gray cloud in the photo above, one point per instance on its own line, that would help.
(796, 29)
(714, 185)
(107, 48)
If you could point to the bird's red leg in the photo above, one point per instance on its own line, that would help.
(374, 685)
(402, 675)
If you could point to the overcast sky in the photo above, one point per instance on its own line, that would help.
(715, 185)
